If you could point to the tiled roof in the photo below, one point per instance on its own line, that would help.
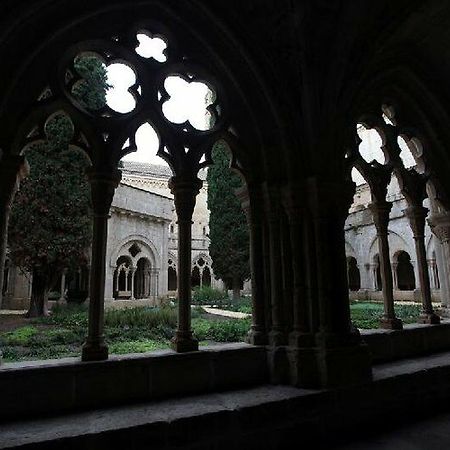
(152, 170)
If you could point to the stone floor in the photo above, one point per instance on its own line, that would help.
(430, 434)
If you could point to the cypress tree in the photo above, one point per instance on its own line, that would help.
(228, 230)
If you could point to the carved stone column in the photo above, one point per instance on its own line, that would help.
(251, 204)
(394, 276)
(127, 272)
(154, 282)
(301, 352)
(133, 274)
(373, 271)
(380, 213)
(296, 211)
(341, 356)
(440, 226)
(185, 191)
(417, 215)
(278, 332)
(103, 186)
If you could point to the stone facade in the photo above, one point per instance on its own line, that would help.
(361, 245)
(142, 246)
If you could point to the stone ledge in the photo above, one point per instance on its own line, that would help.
(68, 384)
(266, 417)
(414, 340)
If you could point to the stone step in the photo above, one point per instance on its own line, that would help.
(265, 417)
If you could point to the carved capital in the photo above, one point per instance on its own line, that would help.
(185, 191)
(380, 213)
(330, 199)
(417, 215)
(440, 226)
(103, 186)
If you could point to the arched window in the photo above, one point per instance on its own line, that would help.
(122, 278)
(195, 277)
(172, 279)
(142, 279)
(354, 278)
(405, 272)
(206, 277)
(378, 279)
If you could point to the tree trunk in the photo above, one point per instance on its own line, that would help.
(236, 288)
(39, 295)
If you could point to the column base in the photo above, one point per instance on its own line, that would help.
(97, 351)
(430, 319)
(344, 366)
(277, 361)
(277, 338)
(299, 340)
(256, 337)
(391, 323)
(182, 343)
(303, 368)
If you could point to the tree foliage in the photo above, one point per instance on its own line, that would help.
(228, 230)
(50, 225)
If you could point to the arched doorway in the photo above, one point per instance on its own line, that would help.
(195, 277)
(378, 281)
(172, 279)
(354, 277)
(206, 277)
(405, 272)
(142, 279)
(122, 278)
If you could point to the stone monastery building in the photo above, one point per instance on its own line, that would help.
(141, 259)
(293, 83)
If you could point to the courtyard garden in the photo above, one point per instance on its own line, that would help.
(143, 329)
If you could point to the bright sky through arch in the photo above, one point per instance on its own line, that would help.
(187, 102)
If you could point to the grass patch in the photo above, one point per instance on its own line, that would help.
(21, 336)
(366, 315)
(231, 330)
(132, 330)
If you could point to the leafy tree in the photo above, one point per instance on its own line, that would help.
(228, 230)
(50, 225)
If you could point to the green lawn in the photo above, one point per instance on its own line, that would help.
(367, 315)
(133, 330)
(143, 329)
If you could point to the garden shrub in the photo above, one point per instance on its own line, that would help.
(232, 330)
(207, 295)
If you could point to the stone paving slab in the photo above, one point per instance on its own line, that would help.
(12, 312)
(225, 313)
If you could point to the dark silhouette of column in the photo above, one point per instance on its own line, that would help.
(277, 334)
(417, 215)
(103, 186)
(250, 200)
(185, 191)
(380, 213)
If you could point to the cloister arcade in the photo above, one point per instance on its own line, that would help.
(291, 108)
(136, 272)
